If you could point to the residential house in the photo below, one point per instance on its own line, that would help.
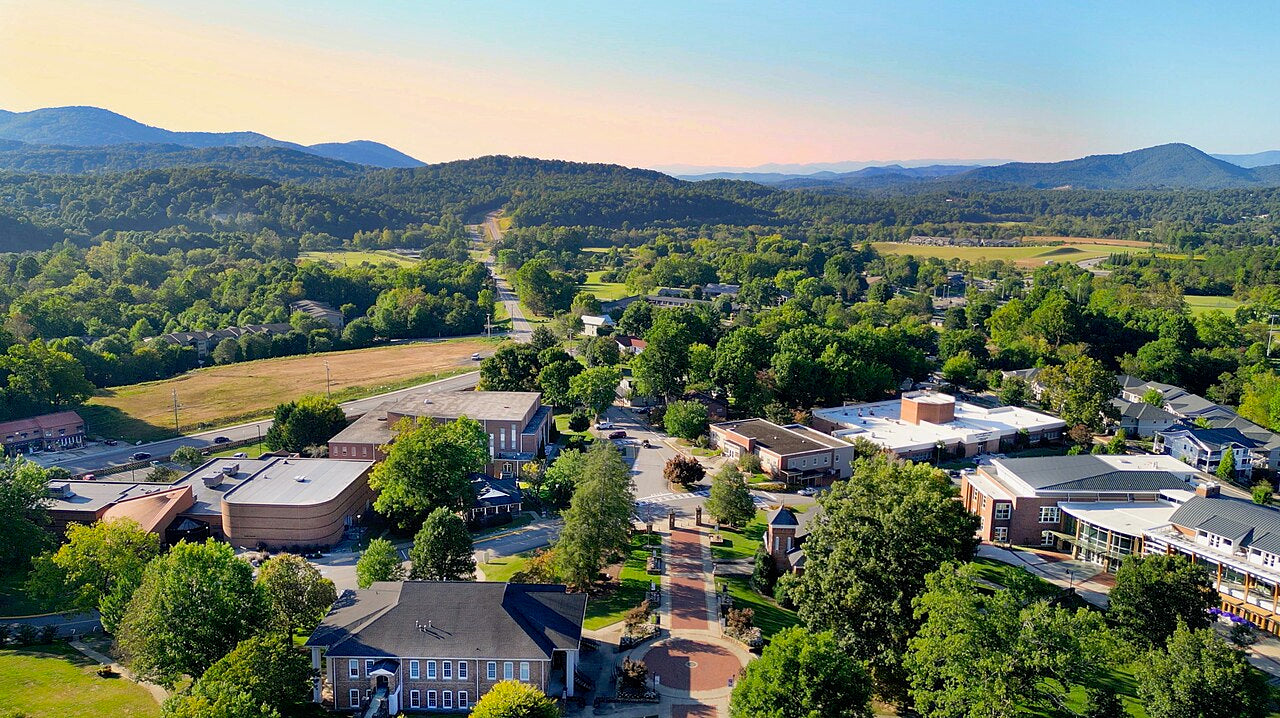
(441, 645)
(517, 424)
(717, 407)
(204, 341)
(60, 430)
(932, 426)
(794, 454)
(597, 326)
(498, 501)
(1140, 419)
(1018, 500)
(713, 290)
(320, 312)
(1205, 449)
(628, 345)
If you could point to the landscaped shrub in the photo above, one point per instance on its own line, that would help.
(26, 635)
(48, 633)
(749, 463)
(579, 420)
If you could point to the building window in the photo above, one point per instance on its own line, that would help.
(368, 666)
(431, 699)
(508, 670)
(353, 668)
(353, 698)
(448, 699)
(984, 502)
(462, 670)
(524, 671)
(463, 699)
(1003, 511)
(413, 670)
(1002, 534)
(1049, 515)
(431, 670)
(1046, 538)
(447, 670)
(492, 669)
(415, 699)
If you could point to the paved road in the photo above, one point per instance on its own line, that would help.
(484, 235)
(99, 456)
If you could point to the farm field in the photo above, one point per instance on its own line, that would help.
(355, 257)
(57, 682)
(1026, 256)
(1138, 243)
(234, 392)
(604, 291)
(1200, 305)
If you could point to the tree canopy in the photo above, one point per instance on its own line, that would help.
(379, 562)
(428, 466)
(309, 421)
(802, 675)
(597, 524)
(442, 549)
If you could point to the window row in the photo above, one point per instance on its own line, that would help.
(445, 672)
(443, 699)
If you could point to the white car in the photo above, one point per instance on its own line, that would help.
(604, 426)
(808, 491)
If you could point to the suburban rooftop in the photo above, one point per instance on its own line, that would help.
(789, 439)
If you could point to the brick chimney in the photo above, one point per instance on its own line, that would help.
(1207, 489)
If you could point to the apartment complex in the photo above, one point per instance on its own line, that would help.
(441, 645)
(930, 426)
(1019, 500)
(204, 341)
(517, 423)
(269, 501)
(795, 454)
(319, 311)
(1206, 449)
(60, 430)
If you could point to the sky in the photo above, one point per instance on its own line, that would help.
(663, 84)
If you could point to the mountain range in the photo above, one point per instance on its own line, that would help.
(95, 127)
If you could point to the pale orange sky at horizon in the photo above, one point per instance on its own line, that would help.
(659, 85)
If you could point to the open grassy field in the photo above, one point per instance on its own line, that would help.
(235, 392)
(604, 291)
(504, 567)
(1027, 255)
(1089, 240)
(770, 617)
(57, 682)
(1200, 305)
(354, 257)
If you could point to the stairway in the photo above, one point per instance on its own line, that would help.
(378, 707)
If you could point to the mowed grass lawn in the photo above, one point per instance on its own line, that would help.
(1200, 305)
(741, 543)
(356, 257)
(604, 291)
(633, 582)
(233, 392)
(1027, 255)
(57, 682)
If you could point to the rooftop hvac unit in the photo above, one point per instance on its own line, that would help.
(300, 479)
(61, 491)
(231, 469)
(212, 480)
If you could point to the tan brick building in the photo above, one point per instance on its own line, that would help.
(795, 454)
(441, 645)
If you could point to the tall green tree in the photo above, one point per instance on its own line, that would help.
(1198, 674)
(429, 466)
(730, 499)
(554, 381)
(442, 549)
(1153, 594)
(265, 671)
(660, 370)
(595, 388)
(998, 654)
(295, 592)
(1080, 392)
(513, 699)
(309, 421)
(95, 561)
(24, 514)
(884, 530)
(379, 562)
(597, 524)
(194, 605)
(685, 419)
(513, 367)
(802, 675)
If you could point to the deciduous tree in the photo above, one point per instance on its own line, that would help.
(308, 421)
(442, 549)
(429, 466)
(1198, 674)
(595, 388)
(1080, 392)
(685, 419)
(379, 562)
(513, 699)
(684, 471)
(95, 561)
(1153, 594)
(24, 499)
(513, 367)
(266, 672)
(295, 593)
(730, 499)
(802, 675)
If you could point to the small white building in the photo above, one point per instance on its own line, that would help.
(594, 326)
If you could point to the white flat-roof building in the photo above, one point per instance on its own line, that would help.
(925, 425)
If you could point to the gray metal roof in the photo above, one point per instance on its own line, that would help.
(1244, 522)
(453, 619)
(1087, 473)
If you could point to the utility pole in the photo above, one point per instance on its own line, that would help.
(175, 412)
(488, 327)
(326, 380)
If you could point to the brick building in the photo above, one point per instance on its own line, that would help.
(60, 430)
(794, 454)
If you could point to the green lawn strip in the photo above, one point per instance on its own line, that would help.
(1000, 573)
(253, 451)
(57, 682)
(633, 583)
(770, 617)
(741, 543)
(502, 569)
(604, 291)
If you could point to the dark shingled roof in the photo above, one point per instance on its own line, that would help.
(1087, 473)
(453, 618)
(1243, 522)
(783, 516)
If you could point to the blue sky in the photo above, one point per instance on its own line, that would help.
(659, 83)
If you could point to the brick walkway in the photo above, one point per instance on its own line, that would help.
(687, 573)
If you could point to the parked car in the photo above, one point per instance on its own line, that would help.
(111, 442)
(221, 440)
(140, 456)
(155, 462)
(88, 477)
(239, 455)
(604, 426)
(618, 435)
(807, 491)
(475, 356)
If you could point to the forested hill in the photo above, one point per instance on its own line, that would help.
(275, 163)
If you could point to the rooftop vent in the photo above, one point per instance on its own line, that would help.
(300, 479)
(231, 469)
(61, 491)
(213, 480)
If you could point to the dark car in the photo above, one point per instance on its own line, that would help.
(111, 442)
(221, 440)
(140, 456)
(618, 435)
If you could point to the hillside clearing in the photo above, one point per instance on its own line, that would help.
(1200, 305)
(356, 257)
(235, 392)
(604, 291)
(1026, 255)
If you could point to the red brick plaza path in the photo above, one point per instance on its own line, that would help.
(694, 662)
